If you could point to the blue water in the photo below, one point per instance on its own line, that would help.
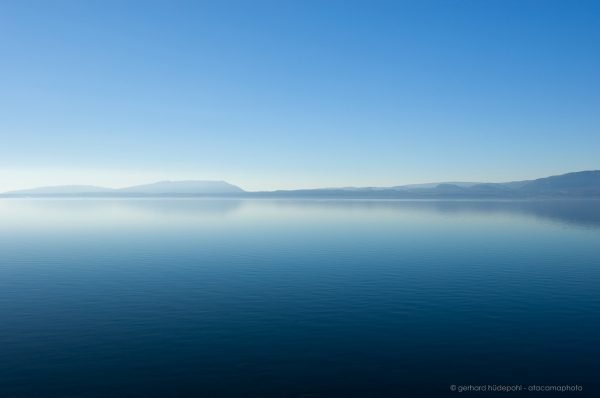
(261, 298)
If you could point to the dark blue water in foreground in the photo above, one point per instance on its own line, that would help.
(226, 298)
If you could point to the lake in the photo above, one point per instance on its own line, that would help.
(296, 298)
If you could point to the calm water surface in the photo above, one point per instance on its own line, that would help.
(260, 298)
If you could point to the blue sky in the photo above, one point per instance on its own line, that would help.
(280, 94)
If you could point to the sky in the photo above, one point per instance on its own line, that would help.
(297, 94)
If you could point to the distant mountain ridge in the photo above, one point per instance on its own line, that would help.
(185, 187)
(577, 184)
(188, 187)
(62, 189)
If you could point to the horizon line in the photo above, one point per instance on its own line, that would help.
(187, 180)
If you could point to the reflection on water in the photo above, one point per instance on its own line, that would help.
(295, 298)
(575, 212)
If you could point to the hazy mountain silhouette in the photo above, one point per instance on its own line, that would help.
(578, 184)
(184, 187)
(62, 190)
(581, 183)
(435, 184)
(159, 188)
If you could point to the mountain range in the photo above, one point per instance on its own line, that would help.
(577, 184)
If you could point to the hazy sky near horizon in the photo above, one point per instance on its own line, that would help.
(281, 94)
